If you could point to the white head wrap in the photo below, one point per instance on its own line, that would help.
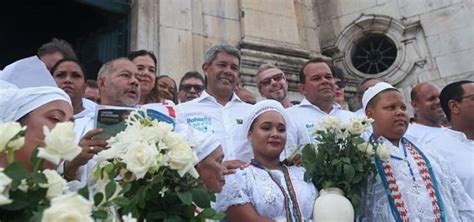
(373, 91)
(15, 103)
(26, 85)
(262, 107)
(28, 72)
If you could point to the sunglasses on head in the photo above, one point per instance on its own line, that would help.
(187, 87)
(341, 84)
(268, 81)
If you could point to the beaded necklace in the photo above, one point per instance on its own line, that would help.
(291, 215)
(395, 198)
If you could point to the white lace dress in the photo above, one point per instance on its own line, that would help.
(253, 185)
(457, 204)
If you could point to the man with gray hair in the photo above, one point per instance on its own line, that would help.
(272, 84)
(219, 110)
(118, 84)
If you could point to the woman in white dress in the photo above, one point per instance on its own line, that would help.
(267, 190)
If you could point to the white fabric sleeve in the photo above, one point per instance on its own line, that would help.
(234, 192)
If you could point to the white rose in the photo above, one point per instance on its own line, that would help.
(60, 143)
(182, 159)
(330, 122)
(356, 127)
(70, 207)
(128, 218)
(172, 140)
(56, 184)
(7, 132)
(383, 152)
(366, 148)
(140, 158)
(5, 182)
(155, 132)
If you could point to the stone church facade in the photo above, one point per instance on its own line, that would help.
(403, 42)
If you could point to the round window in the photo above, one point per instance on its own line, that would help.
(373, 54)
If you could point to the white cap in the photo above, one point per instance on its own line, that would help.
(373, 91)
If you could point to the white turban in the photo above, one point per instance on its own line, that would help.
(15, 102)
(373, 91)
(262, 107)
(28, 72)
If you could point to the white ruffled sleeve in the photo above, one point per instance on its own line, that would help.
(457, 203)
(234, 192)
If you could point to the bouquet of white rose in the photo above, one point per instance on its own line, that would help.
(148, 173)
(37, 195)
(340, 158)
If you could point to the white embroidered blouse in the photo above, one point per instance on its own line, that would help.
(253, 185)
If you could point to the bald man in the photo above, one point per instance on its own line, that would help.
(429, 115)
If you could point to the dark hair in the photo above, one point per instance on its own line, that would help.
(68, 60)
(337, 72)
(313, 60)
(91, 83)
(175, 94)
(189, 75)
(57, 45)
(452, 91)
(134, 54)
(362, 82)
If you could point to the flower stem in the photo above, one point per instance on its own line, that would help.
(39, 162)
(10, 156)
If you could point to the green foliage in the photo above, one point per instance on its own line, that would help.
(161, 196)
(336, 161)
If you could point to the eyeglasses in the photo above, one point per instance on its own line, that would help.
(341, 84)
(187, 87)
(276, 78)
(463, 97)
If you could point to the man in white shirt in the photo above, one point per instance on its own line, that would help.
(456, 145)
(272, 84)
(219, 110)
(429, 115)
(318, 86)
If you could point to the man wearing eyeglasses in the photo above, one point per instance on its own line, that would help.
(318, 86)
(272, 84)
(456, 145)
(190, 86)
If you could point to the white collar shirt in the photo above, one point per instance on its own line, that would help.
(303, 118)
(224, 122)
(458, 151)
(422, 133)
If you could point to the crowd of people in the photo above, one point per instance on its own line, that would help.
(243, 144)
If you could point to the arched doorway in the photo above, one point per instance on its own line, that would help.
(98, 29)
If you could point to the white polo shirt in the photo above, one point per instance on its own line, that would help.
(224, 122)
(423, 133)
(458, 151)
(303, 118)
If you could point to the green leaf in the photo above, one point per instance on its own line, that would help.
(186, 197)
(84, 192)
(37, 216)
(173, 218)
(110, 189)
(98, 197)
(349, 172)
(38, 178)
(201, 198)
(16, 171)
(121, 201)
(156, 215)
(99, 214)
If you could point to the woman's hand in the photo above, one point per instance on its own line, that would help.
(231, 165)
